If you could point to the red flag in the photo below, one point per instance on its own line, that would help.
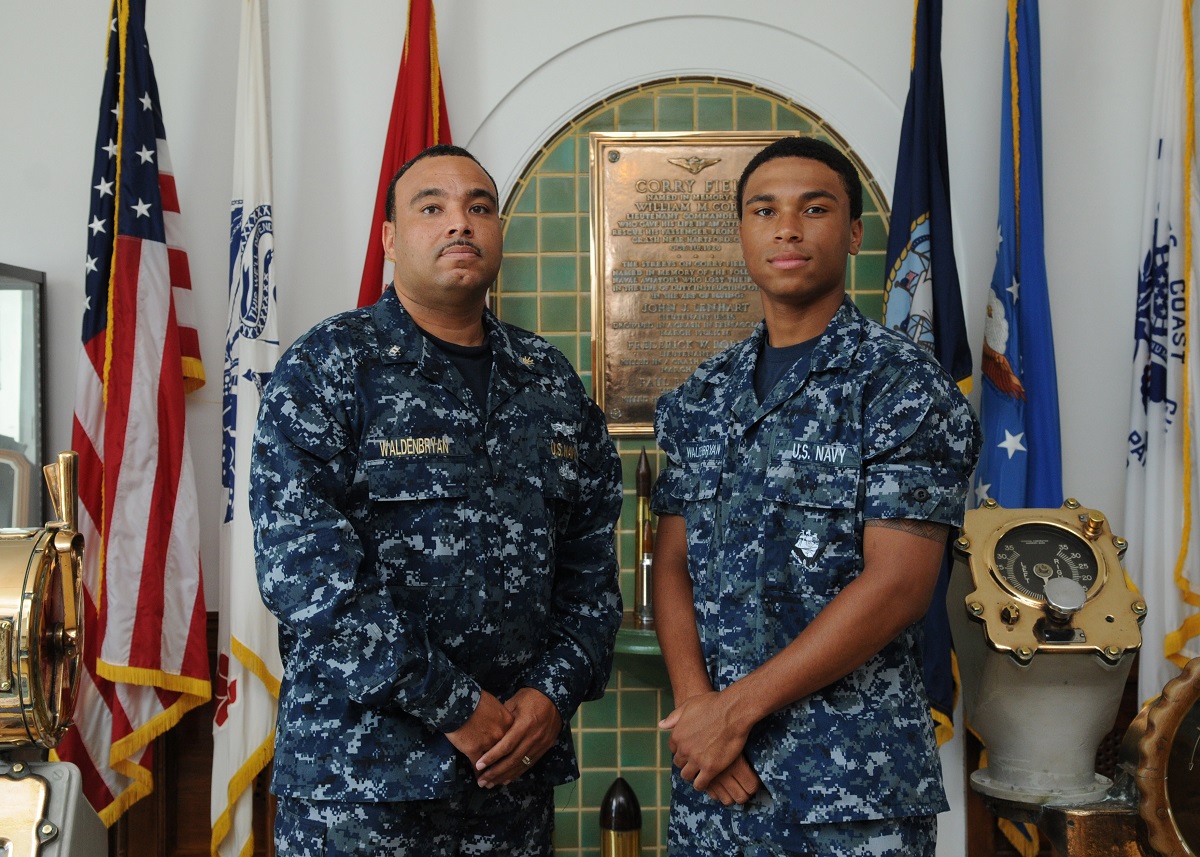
(418, 122)
(145, 653)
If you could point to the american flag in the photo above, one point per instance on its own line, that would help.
(145, 621)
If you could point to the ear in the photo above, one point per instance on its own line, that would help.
(856, 236)
(389, 241)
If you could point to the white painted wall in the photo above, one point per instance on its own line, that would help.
(514, 72)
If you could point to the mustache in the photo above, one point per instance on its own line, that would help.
(461, 242)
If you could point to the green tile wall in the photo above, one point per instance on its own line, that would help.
(544, 286)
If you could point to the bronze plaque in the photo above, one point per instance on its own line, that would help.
(669, 287)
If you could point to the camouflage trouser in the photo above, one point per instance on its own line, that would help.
(512, 820)
(702, 826)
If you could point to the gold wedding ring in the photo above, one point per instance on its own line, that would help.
(526, 761)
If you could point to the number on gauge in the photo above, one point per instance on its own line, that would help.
(1030, 555)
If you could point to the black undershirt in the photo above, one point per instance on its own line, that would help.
(773, 364)
(473, 362)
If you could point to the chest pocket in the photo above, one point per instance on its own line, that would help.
(702, 481)
(559, 475)
(420, 513)
(810, 545)
(694, 482)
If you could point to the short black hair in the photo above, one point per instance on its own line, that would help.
(441, 150)
(813, 149)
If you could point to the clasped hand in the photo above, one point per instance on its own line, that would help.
(707, 743)
(499, 737)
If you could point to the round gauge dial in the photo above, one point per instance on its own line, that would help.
(1030, 555)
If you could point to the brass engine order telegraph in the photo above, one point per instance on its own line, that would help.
(42, 810)
(1045, 626)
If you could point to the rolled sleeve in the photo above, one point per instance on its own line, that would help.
(925, 442)
(669, 492)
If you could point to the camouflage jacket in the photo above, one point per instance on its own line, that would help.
(774, 499)
(415, 553)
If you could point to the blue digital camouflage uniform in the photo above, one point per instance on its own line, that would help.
(515, 820)
(774, 499)
(416, 552)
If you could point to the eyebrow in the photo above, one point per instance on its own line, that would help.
(807, 196)
(474, 193)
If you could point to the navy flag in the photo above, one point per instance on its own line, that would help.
(922, 297)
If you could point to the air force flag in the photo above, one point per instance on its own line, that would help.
(1021, 461)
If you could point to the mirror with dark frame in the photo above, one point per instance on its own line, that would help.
(21, 446)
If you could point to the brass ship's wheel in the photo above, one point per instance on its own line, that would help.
(1168, 774)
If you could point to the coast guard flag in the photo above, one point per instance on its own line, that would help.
(1021, 461)
(922, 297)
(248, 666)
(1161, 499)
(145, 654)
(418, 122)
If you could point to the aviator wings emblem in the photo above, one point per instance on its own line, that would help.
(694, 164)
